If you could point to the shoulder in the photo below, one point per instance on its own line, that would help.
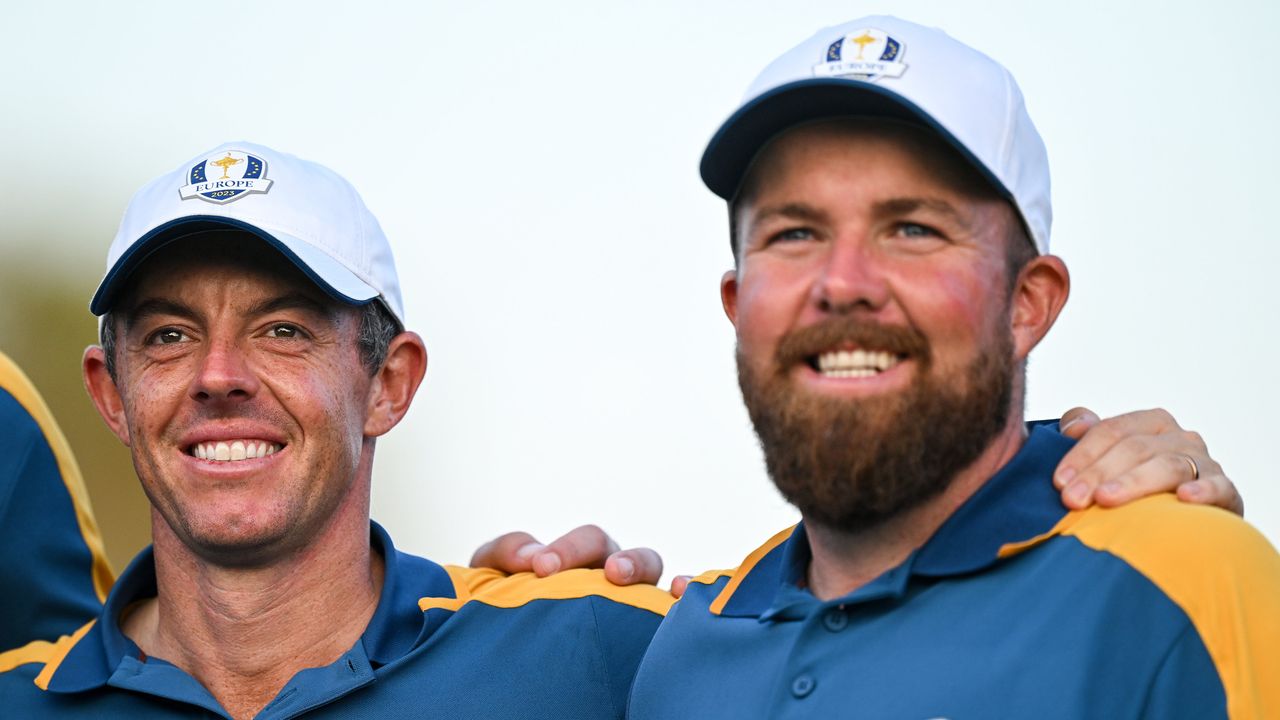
(496, 589)
(1218, 569)
(35, 662)
(1166, 538)
(51, 553)
(1208, 561)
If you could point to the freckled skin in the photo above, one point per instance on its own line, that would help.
(293, 371)
(852, 250)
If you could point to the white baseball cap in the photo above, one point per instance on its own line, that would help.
(309, 213)
(882, 66)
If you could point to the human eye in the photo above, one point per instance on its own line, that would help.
(792, 234)
(167, 336)
(916, 230)
(284, 331)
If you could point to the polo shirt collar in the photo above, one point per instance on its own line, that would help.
(1015, 505)
(396, 627)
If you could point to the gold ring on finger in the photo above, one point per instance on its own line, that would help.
(1195, 469)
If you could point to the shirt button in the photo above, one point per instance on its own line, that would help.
(802, 686)
(835, 620)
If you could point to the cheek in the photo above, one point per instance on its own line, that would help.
(771, 302)
(957, 311)
(327, 400)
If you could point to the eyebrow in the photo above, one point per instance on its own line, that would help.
(164, 306)
(793, 210)
(157, 306)
(884, 208)
(908, 205)
(292, 301)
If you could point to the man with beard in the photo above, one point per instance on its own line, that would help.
(253, 350)
(889, 217)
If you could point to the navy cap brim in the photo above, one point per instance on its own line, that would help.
(159, 237)
(734, 146)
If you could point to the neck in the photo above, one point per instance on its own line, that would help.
(244, 632)
(844, 561)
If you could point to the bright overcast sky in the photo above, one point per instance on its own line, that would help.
(534, 164)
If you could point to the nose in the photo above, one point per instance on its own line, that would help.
(852, 279)
(224, 375)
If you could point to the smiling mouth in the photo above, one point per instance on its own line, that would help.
(854, 363)
(233, 450)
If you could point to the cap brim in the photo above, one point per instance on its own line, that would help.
(328, 274)
(729, 153)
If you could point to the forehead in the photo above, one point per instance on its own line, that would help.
(218, 263)
(883, 149)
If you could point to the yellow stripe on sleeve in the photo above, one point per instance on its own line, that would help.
(19, 385)
(1222, 573)
(58, 652)
(34, 651)
(717, 605)
(508, 591)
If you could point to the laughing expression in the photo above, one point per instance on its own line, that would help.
(870, 298)
(244, 398)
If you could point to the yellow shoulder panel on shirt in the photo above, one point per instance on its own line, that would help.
(36, 651)
(17, 384)
(717, 605)
(43, 651)
(497, 589)
(1222, 573)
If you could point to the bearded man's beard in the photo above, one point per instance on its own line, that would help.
(852, 464)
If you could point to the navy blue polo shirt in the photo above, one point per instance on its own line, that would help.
(1015, 608)
(53, 572)
(443, 642)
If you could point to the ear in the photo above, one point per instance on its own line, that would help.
(1038, 297)
(729, 295)
(396, 383)
(102, 390)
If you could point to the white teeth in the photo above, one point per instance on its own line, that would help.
(234, 450)
(855, 363)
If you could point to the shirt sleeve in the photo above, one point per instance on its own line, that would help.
(1187, 685)
(623, 633)
(52, 568)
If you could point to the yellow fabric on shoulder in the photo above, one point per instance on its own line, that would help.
(43, 651)
(19, 385)
(35, 651)
(717, 605)
(498, 589)
(1219, 569)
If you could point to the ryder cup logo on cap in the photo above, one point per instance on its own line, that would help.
(307, 212)
(859, 70)
(865, 54)
(226, 177)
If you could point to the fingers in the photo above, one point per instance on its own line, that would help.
(629, 567)
(1100, 439)
(1216, 490)
(1130, 456)
(1076, 421)
(583, 547)
(510, 553)
(679, 584)
(1164, 470)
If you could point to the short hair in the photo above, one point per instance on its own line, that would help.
(377, 329)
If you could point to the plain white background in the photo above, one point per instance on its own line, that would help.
(535, 167)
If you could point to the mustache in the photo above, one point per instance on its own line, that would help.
(798, 346)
